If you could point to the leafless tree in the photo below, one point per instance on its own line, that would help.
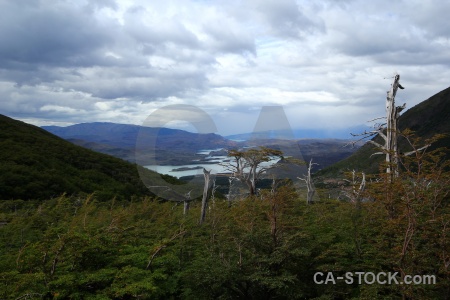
(389, 130)
(355, 195)
(309, 184)
(206, 174)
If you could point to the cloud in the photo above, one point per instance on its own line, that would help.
(327, 62)
(40, 34)
(287, 18)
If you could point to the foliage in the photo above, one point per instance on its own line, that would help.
(247, 165)
(35, 164)
(262, 247)
(266, 246)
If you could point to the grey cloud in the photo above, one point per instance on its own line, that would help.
(287, 19)
(54, 35)
(149, 88)
(229, 37)
(435, 55)
(96, 5)
(429, 16)
(148, 29)
(392, 33)
(66, 47)
(96, 61)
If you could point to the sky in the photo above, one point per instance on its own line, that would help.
(327, 63)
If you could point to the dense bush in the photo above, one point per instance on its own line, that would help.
(266, 247)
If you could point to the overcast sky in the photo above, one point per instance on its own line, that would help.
(328, 63)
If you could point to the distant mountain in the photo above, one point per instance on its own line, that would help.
(426, 119)
(125, 136)
(119, 135)
(35, 164)
(178, 147)
(171, 146)
(343, 133)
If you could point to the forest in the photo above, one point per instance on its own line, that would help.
(264, 246)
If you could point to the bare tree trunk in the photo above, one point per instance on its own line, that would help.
(206, 174)
(356, 194)
(230, 195)
(186, 207)
(251, 181)
(389, 131)
(309, 184)
(392, 115)
(186, 203)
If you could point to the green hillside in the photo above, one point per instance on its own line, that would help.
(35, 164)
(426, 119)
(271, 246)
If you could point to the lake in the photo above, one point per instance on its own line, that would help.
(209, 162)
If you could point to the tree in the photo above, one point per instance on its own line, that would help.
(389, 130)
(248, 166)
(413, 212)
(205, 195)
(309, 184)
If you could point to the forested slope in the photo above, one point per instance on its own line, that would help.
(35, 164)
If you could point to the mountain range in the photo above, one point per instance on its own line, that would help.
(161, 145)
(311, 133)
(165, 146)
(40, 164)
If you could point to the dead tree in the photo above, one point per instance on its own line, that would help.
(393, 114)
(309, 184)
(206, 174)
(355, 195)
(187, 203)
(389, 130)
(231, 194)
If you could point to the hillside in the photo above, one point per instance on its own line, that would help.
(35, 164)
(426, 119)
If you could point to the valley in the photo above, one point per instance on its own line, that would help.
(77, 223)
(181, 149)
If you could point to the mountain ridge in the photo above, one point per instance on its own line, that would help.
(36, 164)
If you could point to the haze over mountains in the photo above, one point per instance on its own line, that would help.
(164, 146)
(311, 133)
(178, 147)
(36, 163)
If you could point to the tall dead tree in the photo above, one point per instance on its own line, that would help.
(393, 114)
(389, 130)
(206, 174)
(309, 184)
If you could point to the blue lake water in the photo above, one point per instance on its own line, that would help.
(213, 165)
